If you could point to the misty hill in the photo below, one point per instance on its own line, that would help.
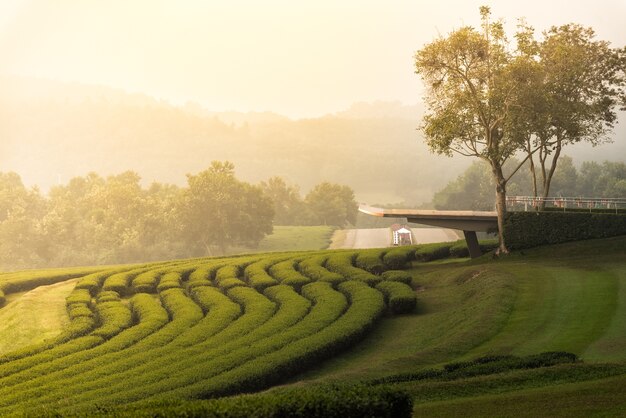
(53, 131)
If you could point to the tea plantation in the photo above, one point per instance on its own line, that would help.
(386, 332)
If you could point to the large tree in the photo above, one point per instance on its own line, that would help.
(217, 211)
(332, 204)
(474, 81)
(578, 86)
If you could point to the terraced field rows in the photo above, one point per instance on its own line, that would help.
(199, 328)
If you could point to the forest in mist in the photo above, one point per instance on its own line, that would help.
(52, 132)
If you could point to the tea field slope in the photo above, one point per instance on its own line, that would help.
(155, 335)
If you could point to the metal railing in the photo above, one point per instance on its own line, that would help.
(590, 203)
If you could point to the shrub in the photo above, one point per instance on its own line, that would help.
(341, 263)
(313, 267)
(459, 250)
(327, 401)
(285, 272)
(431, 252)
(78, 296)
(397, 258)
(397, 276)
(371, 261)
(530, 229)
(169, 280)
(399, 296)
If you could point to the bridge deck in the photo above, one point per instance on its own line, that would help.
(467, 221)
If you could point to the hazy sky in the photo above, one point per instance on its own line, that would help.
(299, 58)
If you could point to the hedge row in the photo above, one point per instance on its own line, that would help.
(327, 401)
(483, 366)
(256, 273)
(397, 276)
(342, 263)
(399, 296)
(285, 272)
(366, 305)
(228, 277)
(397, 258)
(371, 261)
(531, 229)
(313, 267)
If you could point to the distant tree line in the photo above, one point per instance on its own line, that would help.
(473, 190)
(97, 220)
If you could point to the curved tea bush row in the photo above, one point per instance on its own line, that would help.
(399, 296)
(342, 263)
(285, 272)
(206, 327)
(313, 268)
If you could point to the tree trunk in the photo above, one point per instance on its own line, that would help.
(550, 173)
(500, 206)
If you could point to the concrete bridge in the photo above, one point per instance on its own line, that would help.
(469, 222)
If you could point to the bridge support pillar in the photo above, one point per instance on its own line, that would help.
(472, 244)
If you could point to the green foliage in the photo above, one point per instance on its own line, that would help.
(397, 276)
(430, 252)
(530, 229)
(285, 272)
(399, 296)
(313, 268)
(169, 280)
(342, 263)
(397, 258)
(370, 261)
(328, 401)
(483, 366)
(332, 204)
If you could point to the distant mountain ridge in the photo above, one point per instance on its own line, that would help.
(54, 131)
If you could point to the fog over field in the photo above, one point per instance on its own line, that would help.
(309, 91)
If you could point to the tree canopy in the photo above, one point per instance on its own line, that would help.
(491, 100)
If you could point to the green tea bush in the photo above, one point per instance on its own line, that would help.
(76, 310)
(313, 267)
(169, 280)
(371, 261)
(341, 263)
(112, 317)
(227, 277)
(256, 273)
(530, 229)
(120, 282)
(285, 272)
(459, 250)
(397, 258)
(108, 296)
(78, 296)
(146, 282)
(431, 252)
(397, 276)
(399, 296)
(327, 401)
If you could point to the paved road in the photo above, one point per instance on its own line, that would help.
(381, 237)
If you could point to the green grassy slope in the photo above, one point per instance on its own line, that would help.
(202, 328)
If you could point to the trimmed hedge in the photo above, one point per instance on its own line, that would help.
(313, 267)
(397, 276)
(370, 261)
(342, 263)
(397, 258)
(431, 252)
(483, 366)
(531, 229)
(324, 401)
(400, 297)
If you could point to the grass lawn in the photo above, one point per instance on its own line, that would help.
(296, 238)
(570, 297)
(33, 316)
